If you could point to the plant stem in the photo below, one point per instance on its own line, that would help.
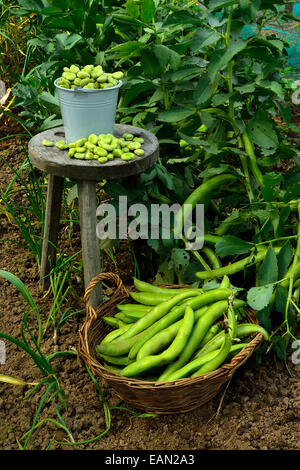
(247, 177)
(198, 257)
(252, 159)
(231, 111)
(228, 30)
(230, 65)
(277, 239)
(292, 276)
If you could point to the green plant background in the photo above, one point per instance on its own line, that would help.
(218, 100)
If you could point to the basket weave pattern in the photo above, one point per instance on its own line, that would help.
(178, 396)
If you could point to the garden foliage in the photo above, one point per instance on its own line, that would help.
(206, 79)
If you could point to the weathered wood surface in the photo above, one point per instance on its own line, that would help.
(51, 228)
(89, 241)
(56, 162)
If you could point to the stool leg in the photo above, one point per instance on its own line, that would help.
(89, 240)
(51, 227)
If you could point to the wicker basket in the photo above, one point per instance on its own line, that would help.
(179, 396)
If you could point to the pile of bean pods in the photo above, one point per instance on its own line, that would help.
(89, 77)
(174, 333)
(103, 147)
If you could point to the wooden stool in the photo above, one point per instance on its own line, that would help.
(86, 173)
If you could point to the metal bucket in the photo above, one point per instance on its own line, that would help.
(86, 112)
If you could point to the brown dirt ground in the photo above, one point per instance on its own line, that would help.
(260, 409)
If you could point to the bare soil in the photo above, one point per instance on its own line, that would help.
(260, 408)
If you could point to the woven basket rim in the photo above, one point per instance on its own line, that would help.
(84, 352)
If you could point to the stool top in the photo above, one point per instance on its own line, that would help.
(56, 162)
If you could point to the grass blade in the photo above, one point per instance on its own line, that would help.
(26, 295)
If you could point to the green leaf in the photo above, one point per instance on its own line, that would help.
(221, 58)
(245, 6)
(50, 102)
(192, 140)
(67, 41)
(285, 111)
(184, 73)
(275, 87)
(72, 194)
(164, 274)
(259, 297)
(279, 346)
(281, 298)
(220, 99)
(271, 181)
(127, 20)
(175, 115)
(264, 317)
(189, 274)
(54, 11)
(132, 8)
(32, 5)
(99, 59)
(50, 122)
(166, 56)
(179, 259)
(218, 4)
(204, 38)
(154, 244)
(89, 25)
(182, 47)
(263, 44)
(63, 4)
(248, 88)
(26, 94)
(214, 171)
(248, 31)
(190, 126)
(46, 97)
(135, 90)
(210, 284)
(172, 161)
(297, 160)
(127, 48)
(162, 54)
(147, 10)
(204, 89)
(231, 245)
(182, 17)
(78, 5)
(283, 217)
(275, 220)
(165, 176)
(158, 95)
(284, 257)
(174, 59)
(150, 64)
(261, 132)
(60, 23)
(291, 177)
(268, 272)
(292, 193)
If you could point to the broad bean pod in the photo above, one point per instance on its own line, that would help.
(147, 363)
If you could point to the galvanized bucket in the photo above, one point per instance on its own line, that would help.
(86, 111)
